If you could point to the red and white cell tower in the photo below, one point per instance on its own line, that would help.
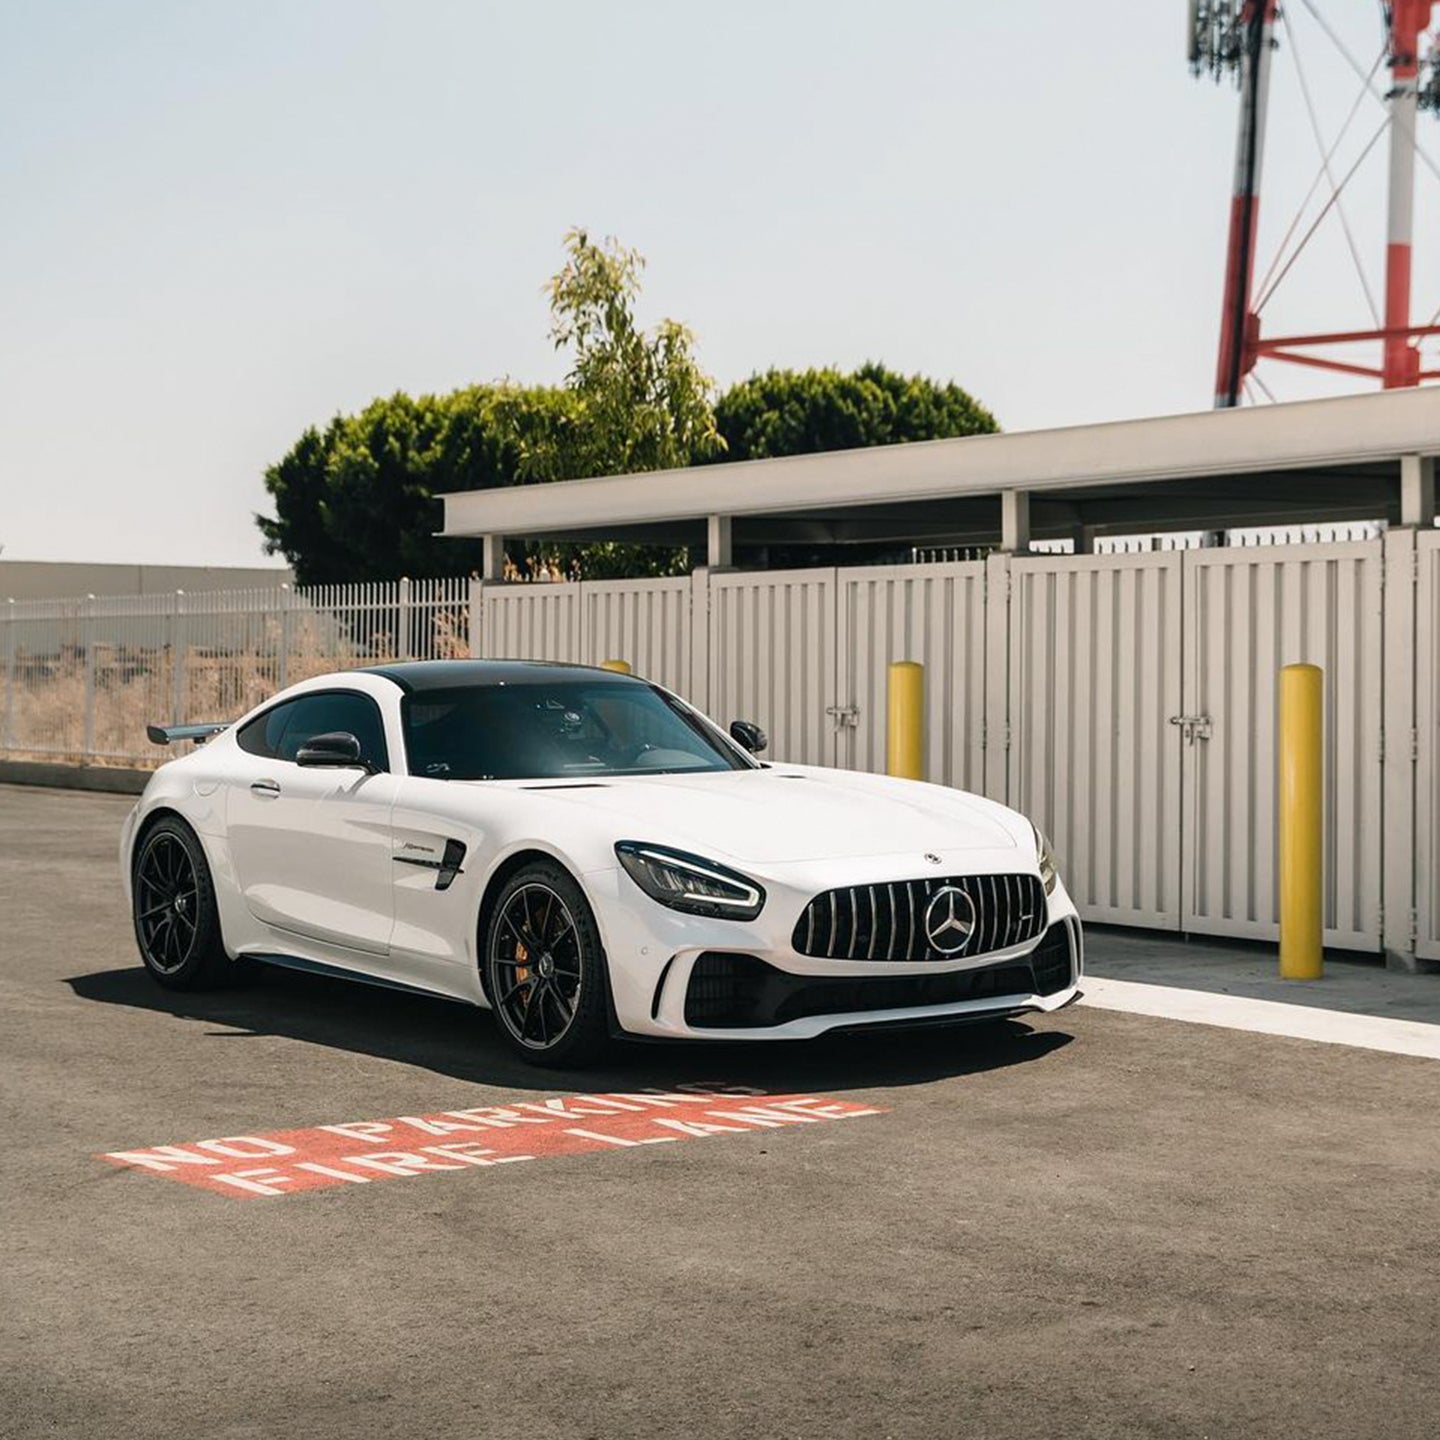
(1238, 37)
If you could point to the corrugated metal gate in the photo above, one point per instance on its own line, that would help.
(533, 622)
(931, 613)
(772, 658)
(1095, 676)
(1142, 706)
(1126, 702)
(1247, 613)
(645, 622)
(806, 654)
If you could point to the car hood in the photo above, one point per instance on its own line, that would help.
(789, 813)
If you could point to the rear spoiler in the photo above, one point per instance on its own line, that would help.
(168, 734)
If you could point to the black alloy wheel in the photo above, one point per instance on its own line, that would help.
(177, 926)
(545, 969)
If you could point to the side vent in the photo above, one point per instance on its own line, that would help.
(446, 868)
(450, 865)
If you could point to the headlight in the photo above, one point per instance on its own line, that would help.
(1048, 874)
(690, 882)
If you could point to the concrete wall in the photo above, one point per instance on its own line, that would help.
(110, 780)
(63, 579)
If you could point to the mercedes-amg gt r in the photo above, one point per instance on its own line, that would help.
(587, 855)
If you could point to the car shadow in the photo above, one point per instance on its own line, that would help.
(454, 1039)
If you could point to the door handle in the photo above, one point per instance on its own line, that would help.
(1193, 727)
(265, 788)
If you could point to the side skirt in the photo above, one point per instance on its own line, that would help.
(339, 972)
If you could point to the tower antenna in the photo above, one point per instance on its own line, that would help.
(1237, 38)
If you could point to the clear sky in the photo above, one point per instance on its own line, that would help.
(222, 222)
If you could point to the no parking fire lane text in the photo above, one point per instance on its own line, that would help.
(359, 1152)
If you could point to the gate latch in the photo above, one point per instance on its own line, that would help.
(844, 716)
(1193, 727)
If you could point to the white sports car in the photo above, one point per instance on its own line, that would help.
(587, 855)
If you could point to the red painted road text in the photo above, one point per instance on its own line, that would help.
(358, 1152)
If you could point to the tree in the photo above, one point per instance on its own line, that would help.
(298, 484)
(799, 412)
(358, 501)
(645, 403)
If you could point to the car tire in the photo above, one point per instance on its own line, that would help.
(172, 902)
(545, 970)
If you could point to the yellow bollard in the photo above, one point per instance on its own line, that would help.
(905, 756)
(1302, 816)
(620, 667)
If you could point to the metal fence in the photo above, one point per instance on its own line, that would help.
(1125, 700)
(1324, 533)
(84, 677)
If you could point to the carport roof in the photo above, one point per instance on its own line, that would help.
(1312, 460)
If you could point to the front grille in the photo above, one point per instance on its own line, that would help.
(887, 921)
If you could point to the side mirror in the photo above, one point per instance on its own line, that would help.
(748, 735)
(337, 751)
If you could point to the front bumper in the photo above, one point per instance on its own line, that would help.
(676, 976)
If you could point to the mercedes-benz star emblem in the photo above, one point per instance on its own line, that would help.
(950, 920)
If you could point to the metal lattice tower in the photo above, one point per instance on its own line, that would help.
(1238, 38)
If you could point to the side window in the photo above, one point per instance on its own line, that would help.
(262, 735)
(313, 715)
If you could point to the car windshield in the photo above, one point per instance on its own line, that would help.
(565, 729)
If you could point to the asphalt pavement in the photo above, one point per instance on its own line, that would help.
(1089, 1224)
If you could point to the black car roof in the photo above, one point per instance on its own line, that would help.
(412, 675)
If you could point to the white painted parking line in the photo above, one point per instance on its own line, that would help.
(1265, 1017)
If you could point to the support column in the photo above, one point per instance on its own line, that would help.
(719, 549)
(492, 557)
(1015, 521)
(997, 678)
(699, 637)
(477, 616)
(1417, 490)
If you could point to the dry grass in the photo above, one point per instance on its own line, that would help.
(135, 686)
